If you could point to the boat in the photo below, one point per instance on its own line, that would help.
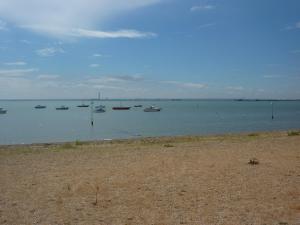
(83, 105)
(138, 106)
(3, 111)
(99, 110)
(62, 108)
(100, 107)
(121, 108)
(152, 109)
(40, 107)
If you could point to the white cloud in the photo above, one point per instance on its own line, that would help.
(16, 72)
(272, 76)
(110, 34)
(15, 63)
(25, 42)
(88, 33)
(202, 8)
(194, 85)
(235, 88)
(295, 51)
(94, 65)
(45, 52)
(75, 18)
(100, 55)
(116, 79)
(97, 55)
(186, 84)
(292, 27)
(2, 25)
(47, 77)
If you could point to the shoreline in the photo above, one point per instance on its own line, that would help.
(154, 138)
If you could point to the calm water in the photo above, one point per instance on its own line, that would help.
(24, 124)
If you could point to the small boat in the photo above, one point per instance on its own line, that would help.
(152, 109)
(138, 106)
(100, 107)
(62, 108)
(83, 106)
(40, 107)
(121, 108)
(99, 110)
(2, 111)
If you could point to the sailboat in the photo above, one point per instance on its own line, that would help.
(3, 111)
(121, 107)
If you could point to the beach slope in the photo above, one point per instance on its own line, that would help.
(168, 180)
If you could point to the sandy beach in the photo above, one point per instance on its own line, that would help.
(162, 181)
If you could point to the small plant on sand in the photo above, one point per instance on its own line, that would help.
(168, 146)
(78, 142)
(96, 199)
(253, 161)
(253, 135)
(293, 133)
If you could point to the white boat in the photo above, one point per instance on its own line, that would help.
(152, 109)
(2, 111)
(99, 110)
(100, 107)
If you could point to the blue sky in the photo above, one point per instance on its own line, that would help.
(150, 49)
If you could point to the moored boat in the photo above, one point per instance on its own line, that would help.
(3, 111)
(83, 106)
(62, 108)
(138, 106)
(152, 109)
(99, 110)
(121, 108)
(40, 107)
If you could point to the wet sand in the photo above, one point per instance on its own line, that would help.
(166, 181)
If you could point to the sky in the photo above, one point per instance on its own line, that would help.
(150, 49)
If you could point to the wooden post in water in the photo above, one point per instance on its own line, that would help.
(92, 113)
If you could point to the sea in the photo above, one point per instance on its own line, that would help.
(23, 124)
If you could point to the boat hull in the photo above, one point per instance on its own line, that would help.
(121, 108)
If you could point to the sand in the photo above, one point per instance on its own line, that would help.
(175, 180)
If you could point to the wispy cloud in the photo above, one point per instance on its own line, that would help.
(235, 88)
(97, 55)
(46, 52)
(25, 42)
(270, 76)
(110, 34)
(47, 77)
(117, 79)
(206, 25)
(296, 51)
(72, 18)
(2, 25)
(87, 33)
(202, 8)
(293, 26)
(186, 84)
(17, 72)
(94, 65)
(15, 63)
